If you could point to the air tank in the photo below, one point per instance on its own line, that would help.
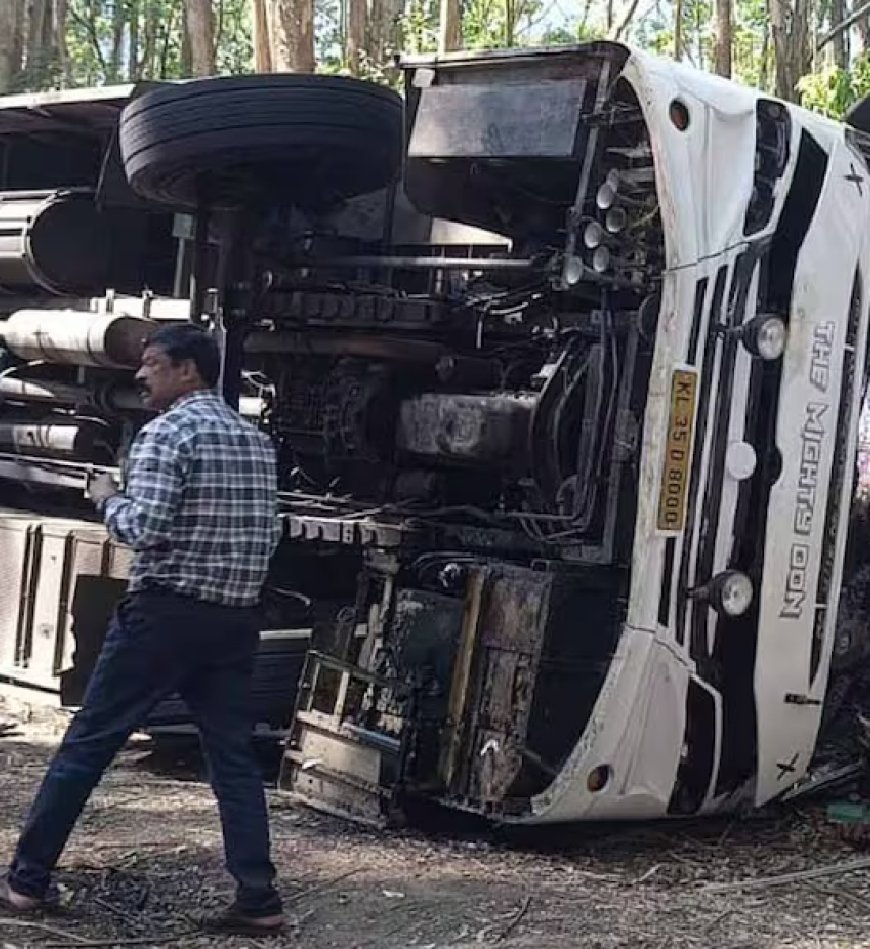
(55, 241)
(30, 388)
(75, 337)
(74, 439)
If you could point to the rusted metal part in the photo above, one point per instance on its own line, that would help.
(512, 628)
(350, 790)
(459, 697)
(364, 675)
(359, 734)
(473, 428)
(332, 761)
(69, 337)
(425, 631)
(511, 120)
(448, 711)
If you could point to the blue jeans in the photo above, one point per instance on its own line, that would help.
(159, 643)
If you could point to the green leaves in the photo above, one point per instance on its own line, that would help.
(95, 42)
(833, 90)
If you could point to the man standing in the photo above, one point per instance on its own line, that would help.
(199, 510)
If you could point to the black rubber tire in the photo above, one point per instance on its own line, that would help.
(278, 138)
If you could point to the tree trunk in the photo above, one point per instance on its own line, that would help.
(292, 27)
(377, 30)
(88, 21)
(146, 68)
(49, 63)
(510, 23)
(18, 36)
(218, 31)
(764, 57)
(355, 36)
(790, 30)
(185, 54)
(722, 50)
(164, 32)
(678, 30)
(118, 20)
(10, 51)
(133, 67)
(38, 44)
(864, 34)
(61, 9)
(199, 21)
(841, 41)
(262, 50)
(450, 26)
(35, 23)
(384, 28)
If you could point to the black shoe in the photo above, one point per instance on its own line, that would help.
(17, 904)
(235, 922)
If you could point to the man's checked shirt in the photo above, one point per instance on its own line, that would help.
(200, 504)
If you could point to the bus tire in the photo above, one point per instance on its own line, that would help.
(307, 140)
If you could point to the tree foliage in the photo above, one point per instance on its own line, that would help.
(765, 43)
(833, 90)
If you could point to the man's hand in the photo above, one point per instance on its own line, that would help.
(102, 488)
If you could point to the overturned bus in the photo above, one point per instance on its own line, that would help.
(563, 355)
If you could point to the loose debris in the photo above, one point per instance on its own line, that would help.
(33, 924)
(758, 883)
(146, 862)
(514, 920)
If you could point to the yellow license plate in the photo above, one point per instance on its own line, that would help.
(678, 452)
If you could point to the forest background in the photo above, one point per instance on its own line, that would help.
(812, 51)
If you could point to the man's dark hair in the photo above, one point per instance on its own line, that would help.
(183, 341)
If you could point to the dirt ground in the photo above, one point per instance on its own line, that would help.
(146, 861)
